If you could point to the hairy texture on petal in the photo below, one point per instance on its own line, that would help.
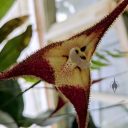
(79, 98)
(97, 31)
(108, 20)
(34, 65)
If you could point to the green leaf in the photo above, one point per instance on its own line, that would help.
(5, 6)
(101, 56)
(26, 121)
(8, 90)
(43, 119)
(13, 48)
(8, 27)
(31, 79)
(122, 53)
(115, 55)
(95, 67)
(51, 120)
(97, 63)
(7, 120)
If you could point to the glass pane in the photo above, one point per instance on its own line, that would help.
(66, 8)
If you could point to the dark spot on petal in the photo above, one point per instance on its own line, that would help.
(76, 51)
(83, 49)
(83, 57)
(78, 68)
(65, 56)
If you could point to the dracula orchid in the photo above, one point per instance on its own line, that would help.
(65, 64)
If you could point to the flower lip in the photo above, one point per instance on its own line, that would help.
(78, 58)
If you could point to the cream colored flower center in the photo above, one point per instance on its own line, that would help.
(77, 58)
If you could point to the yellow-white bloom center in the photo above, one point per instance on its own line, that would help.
(78, 58)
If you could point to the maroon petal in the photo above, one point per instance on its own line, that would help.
(79, 98)
(34, 65)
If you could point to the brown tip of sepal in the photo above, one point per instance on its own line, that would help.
(105, 23)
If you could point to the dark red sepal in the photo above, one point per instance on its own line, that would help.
(79, 98)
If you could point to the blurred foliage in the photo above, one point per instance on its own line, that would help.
(31, 79)
(5, 118)
(13, 48)
(125, 17)
(102, 58)
(9, 54)
(8, 90)
(5, 5)
(11, 25)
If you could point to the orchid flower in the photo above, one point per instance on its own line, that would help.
(66, 64)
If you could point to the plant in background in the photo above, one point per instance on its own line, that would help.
(11, 99)
(66, 64)
(8, 56)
